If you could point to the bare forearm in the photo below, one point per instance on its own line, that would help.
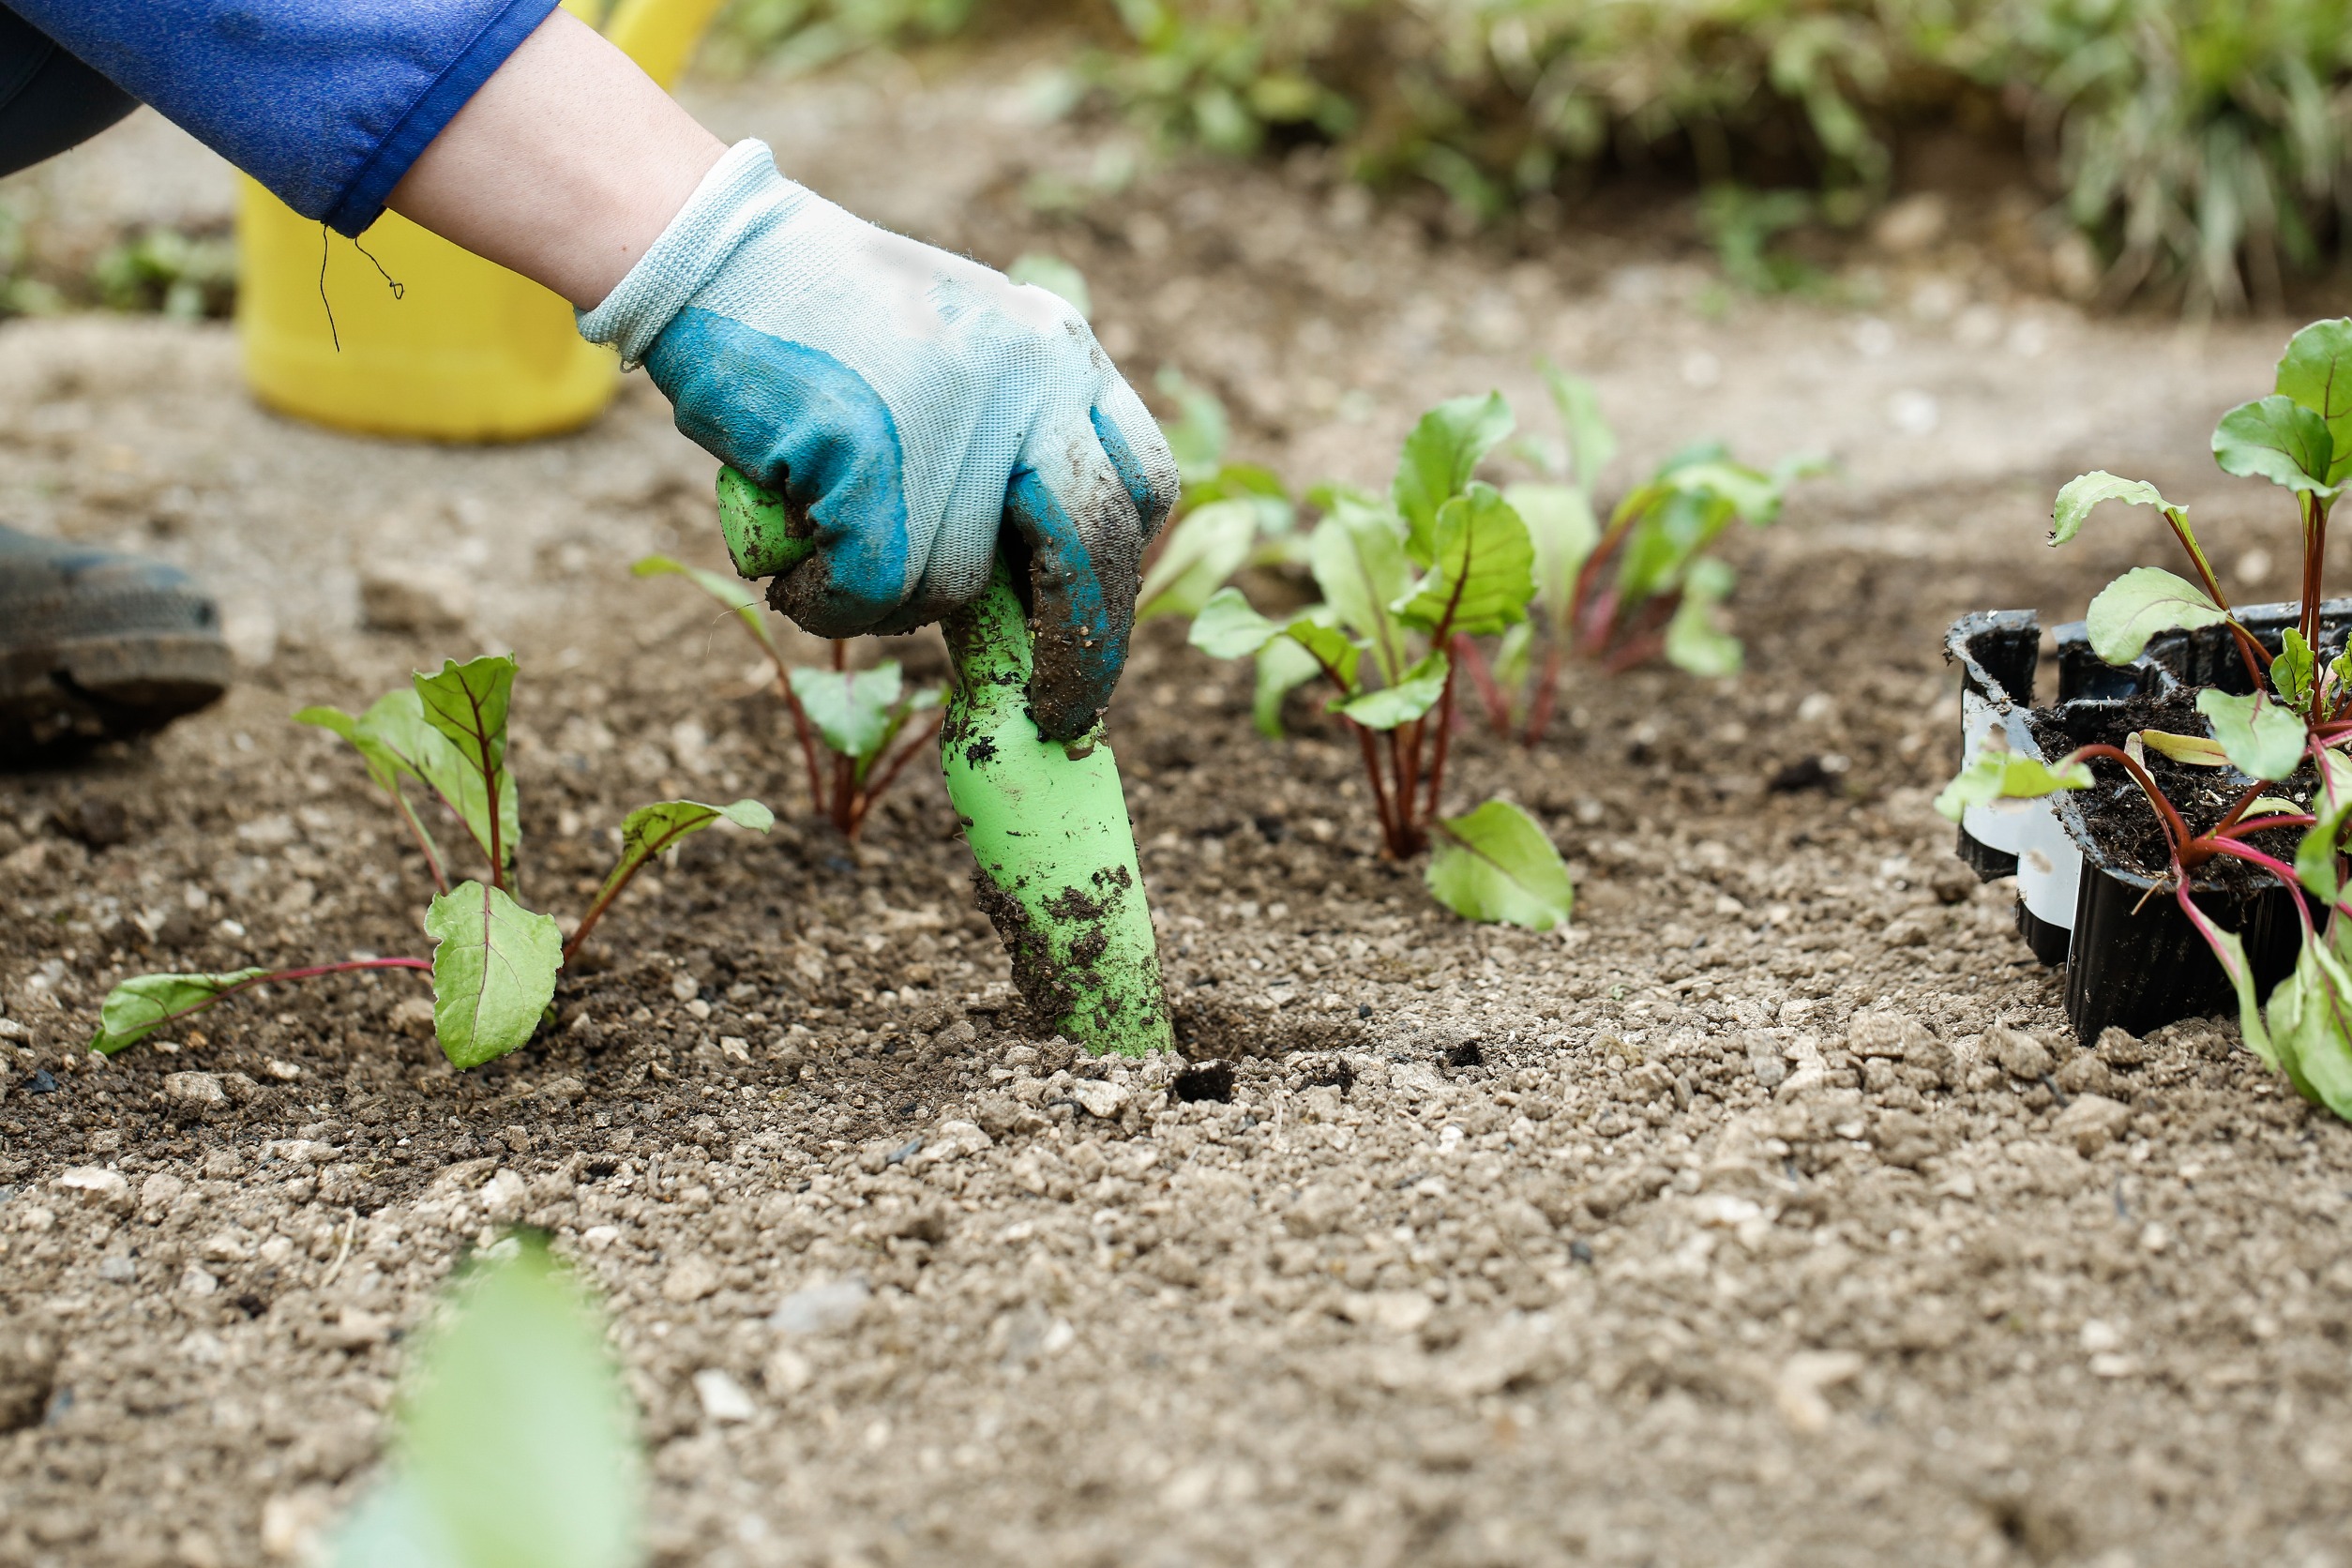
(564, 167)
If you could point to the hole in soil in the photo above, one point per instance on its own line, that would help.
(1205, 1080)
(1466, 1054)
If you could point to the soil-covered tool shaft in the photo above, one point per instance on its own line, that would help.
(1047, 823)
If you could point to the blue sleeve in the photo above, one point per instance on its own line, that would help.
(328, 102)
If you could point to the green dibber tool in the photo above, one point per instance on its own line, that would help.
(1046, 822)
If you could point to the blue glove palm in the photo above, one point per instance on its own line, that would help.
(908, 402)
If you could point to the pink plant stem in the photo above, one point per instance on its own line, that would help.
(891, 770)
(1466, 654)
(1539, 715)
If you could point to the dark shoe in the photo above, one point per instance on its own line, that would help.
(98, 646)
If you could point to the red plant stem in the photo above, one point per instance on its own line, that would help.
(2252, 794)
(844, 790)
(1445, 733)
(873, 791)
(2272, 863)
(2247, 651)
(1539, 715)
(2175, 831)
(490, 770)
(1380, 790)
(841, 653)
(808, 736)
(1588, 574)
(316, 969)
(312, 972)
(1466, 652)
(2315, 563)
(2263, 824)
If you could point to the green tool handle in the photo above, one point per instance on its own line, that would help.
(1046, 822)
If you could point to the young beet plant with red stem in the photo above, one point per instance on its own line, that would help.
(2295, 725)
(495, 963)
(1401, 575)
(846, 721)
(1642, 587)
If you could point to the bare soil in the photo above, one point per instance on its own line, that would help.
(1765, 1216)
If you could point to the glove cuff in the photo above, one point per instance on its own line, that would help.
(742, 192)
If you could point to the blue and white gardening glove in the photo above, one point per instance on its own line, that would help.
(907, 402)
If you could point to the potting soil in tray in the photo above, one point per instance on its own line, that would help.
(2121, 818)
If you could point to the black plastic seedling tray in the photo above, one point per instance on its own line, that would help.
(2133, 960)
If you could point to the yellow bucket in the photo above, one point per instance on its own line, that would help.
(469, 351)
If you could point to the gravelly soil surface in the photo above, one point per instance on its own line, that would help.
(1768, 1216)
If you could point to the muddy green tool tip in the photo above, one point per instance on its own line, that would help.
(1046, 822)
(762, 539)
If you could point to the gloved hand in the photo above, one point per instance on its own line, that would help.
(907, 400)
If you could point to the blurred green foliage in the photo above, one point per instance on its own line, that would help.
(2200, 145)
(793, 36)
(184, 277)
(154, 271)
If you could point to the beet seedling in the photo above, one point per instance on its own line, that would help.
(444, 740)
(1229, 516)
(515, 1364)
(1642, 588)
(1441, 557)
(2295, 723)
(844, 720)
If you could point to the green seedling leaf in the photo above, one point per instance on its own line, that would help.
(1441, 455)
(391, 1527)
(2316, 372)
(467, 704)
(1496, 864)
(1563, 531)
(1994, 774)
(2270, 805)
(1412, 696)
(1283, 667)
(2316, 855)
(383, 767)
(2084, 493)
(516, 1435)
(1591, 442)
(2277, 439)
(851, 708)
(1056, 276)
(2231, 953)
(649, 830)
(2264, 740)
(1755, 497)
(2139, 604)
(1315, 635)
(2291, 672)
(739, 601)
(396, 721)
(494, 966)
(398, 715)
(1482, 573)
(1202, 550)
(1198, 432)
(1694, 640)
(2310, 1022)
(2196, 751)
(1357, 553)
(143, 1003)
(1226, 628)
